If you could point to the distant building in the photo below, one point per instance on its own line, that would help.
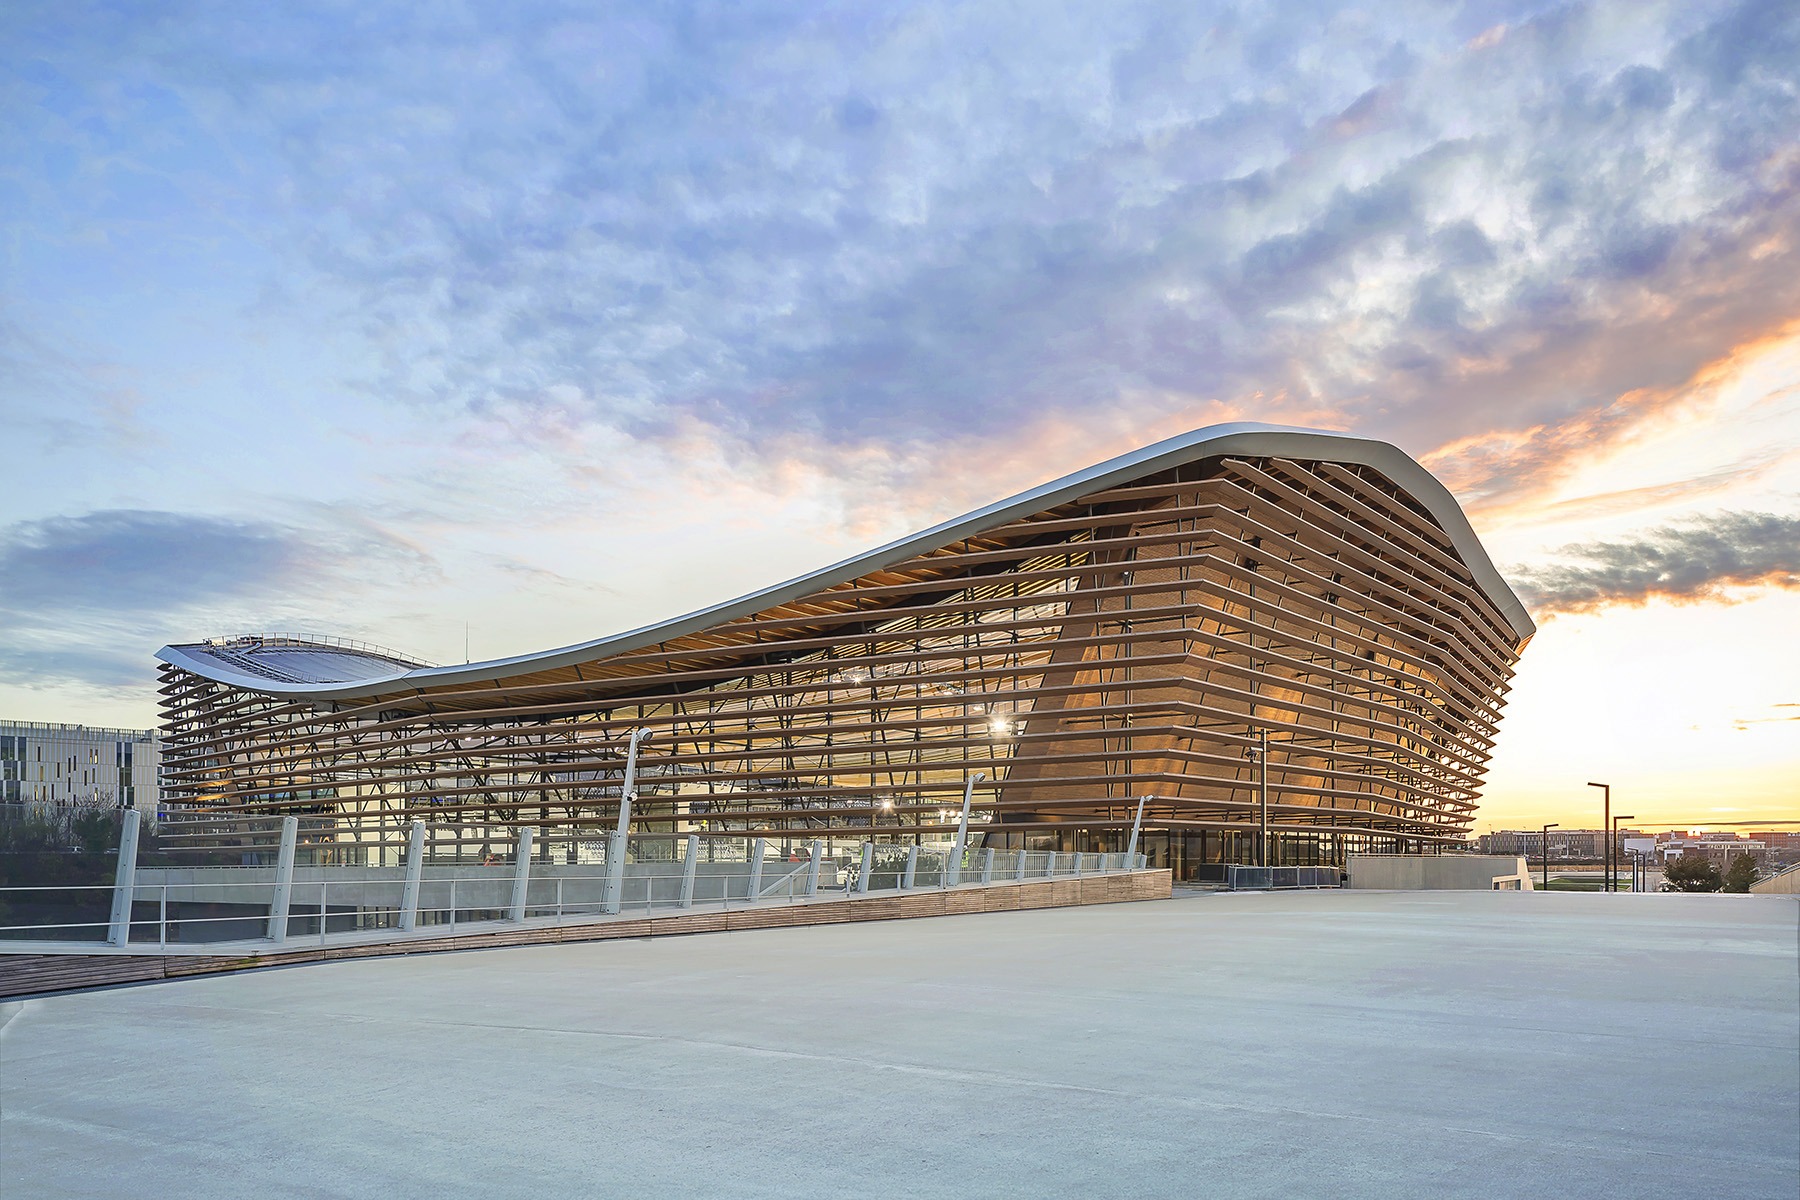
(78, 765)
(1572, 844)
(1783, 845)
(1587, 845)
(1721, 848)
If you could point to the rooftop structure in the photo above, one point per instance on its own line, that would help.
(1123, 638)
(305, 659)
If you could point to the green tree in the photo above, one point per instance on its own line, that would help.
(1741, 874)
(1694, 873)
(96, 831)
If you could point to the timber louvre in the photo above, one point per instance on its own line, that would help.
(1122, 635)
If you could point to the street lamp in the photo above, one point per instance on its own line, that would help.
(1605, 824)
(1547, 830)
(1613, 845)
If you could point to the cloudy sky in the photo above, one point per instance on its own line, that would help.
(511, 325)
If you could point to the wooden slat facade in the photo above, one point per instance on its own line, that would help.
(1128, 644)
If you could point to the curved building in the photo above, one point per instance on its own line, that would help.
(1127, 637)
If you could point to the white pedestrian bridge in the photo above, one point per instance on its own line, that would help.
(237, 910)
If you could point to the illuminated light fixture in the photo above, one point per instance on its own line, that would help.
(856, 675)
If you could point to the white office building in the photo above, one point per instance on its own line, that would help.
(79, 765)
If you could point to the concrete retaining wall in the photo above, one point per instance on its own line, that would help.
(1436, 872)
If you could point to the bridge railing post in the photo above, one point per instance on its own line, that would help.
(415, 867)
(284, 880)
(688, 869)
(124, 879)
(515, 911)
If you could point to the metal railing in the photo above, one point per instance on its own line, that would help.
(1238, 877)
(278, 904)
(305, 641)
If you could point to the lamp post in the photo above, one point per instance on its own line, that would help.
(1613, 845)
(1605, 824)
(1547, 830)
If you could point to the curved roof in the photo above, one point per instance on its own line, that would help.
(294, 658)
(341, 673)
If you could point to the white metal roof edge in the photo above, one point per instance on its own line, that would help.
(1245, 439)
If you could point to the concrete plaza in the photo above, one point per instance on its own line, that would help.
(1338, 1044)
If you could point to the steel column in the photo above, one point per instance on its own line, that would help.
(1131, 847)
(953, 873)
(1262, 787)
(757, 848)
(620, 841)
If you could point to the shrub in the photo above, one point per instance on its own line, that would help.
(1741, 874)
(1694, 873)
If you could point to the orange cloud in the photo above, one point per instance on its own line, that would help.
(1506, 475)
